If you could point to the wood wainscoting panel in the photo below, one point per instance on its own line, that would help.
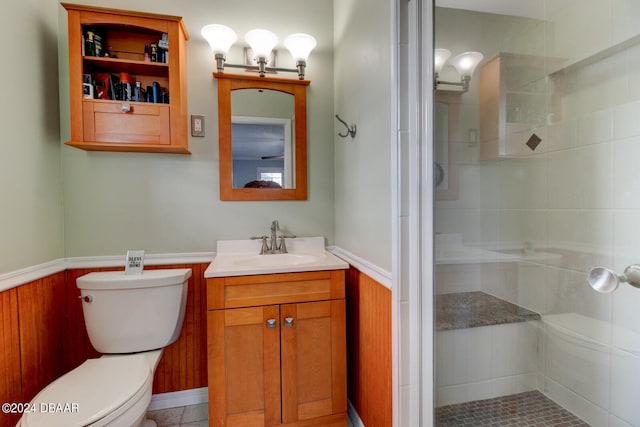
(369, 348)
(42, 311)
(183, 365)
(10, 372)
(43, 336)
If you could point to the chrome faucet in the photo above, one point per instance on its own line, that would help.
(275, 243)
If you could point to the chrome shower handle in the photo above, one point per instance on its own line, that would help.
(604, 280)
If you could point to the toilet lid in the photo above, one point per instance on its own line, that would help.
(88, 393)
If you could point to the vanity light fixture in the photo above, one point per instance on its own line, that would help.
(262, 43)
(465, 63)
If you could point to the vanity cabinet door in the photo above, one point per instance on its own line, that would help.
(282, 363)
(313, 341)
(245, 370)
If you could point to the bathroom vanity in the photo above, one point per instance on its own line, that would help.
(276, 336)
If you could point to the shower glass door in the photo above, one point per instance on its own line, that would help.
(547, 143)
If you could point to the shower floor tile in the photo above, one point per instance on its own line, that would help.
(524, 409)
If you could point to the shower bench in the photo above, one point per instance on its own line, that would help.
(485, 347)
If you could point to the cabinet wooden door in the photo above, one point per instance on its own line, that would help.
(277, 365)
(104, 121)
(244, 366)
(313, 341)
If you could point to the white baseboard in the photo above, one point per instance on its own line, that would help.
(176, 399)
(354, 418)
(200, 395)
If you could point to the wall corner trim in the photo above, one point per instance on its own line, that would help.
(376, 273)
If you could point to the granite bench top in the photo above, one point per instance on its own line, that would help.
(474, 309)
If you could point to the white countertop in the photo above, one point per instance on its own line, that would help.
(242, 257)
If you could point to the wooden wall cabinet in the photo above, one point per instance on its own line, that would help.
(127, 125)
(277, 350)
(515, 101)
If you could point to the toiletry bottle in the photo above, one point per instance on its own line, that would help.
(147, 58)
(137, 93)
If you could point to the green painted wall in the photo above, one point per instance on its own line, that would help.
(31, 215)
(170, 203)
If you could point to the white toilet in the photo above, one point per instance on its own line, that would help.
(129, 318)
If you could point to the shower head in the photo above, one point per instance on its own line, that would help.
(605, 281)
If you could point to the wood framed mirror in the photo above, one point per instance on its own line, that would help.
(262, 125)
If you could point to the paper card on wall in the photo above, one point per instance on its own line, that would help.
(134, 263)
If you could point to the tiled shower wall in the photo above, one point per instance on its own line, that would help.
(577, 199)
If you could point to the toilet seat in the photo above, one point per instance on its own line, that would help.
(98, 388)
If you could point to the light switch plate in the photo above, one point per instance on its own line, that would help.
(197, 125)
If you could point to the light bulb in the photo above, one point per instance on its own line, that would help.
(440, 57)
(262, 42)
(466, 62)
(300, 46)
(219, 37)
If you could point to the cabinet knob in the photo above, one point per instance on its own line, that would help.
(125, 107)
(271, 323)
(288, 322)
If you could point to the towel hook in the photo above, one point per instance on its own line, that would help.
(351, 130)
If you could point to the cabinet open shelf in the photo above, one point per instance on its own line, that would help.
(112, 62)
(117, 65)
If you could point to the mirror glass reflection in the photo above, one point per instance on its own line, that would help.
(446, 144)
(262, 138)
(441, 142)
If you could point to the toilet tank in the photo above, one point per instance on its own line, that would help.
(133, 313)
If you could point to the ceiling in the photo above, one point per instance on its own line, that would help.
(523, 8)
(252, 141)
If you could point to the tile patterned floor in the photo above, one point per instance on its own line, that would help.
(523, 409)
(185, 416)
(191, 416)
(531, 409)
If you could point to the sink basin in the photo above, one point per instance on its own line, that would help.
(276, 260)
(242, 257)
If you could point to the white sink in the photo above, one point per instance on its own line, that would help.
(242, 257)
(275, 260)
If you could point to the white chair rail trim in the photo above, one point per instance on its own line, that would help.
(35, 272)
(376, 273)
(29, 274)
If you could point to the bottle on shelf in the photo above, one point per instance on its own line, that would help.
(147, 58)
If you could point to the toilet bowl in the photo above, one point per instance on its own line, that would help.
(109, 391)
(131, 319)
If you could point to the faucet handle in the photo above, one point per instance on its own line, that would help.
(265, 247)
(282, 247)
